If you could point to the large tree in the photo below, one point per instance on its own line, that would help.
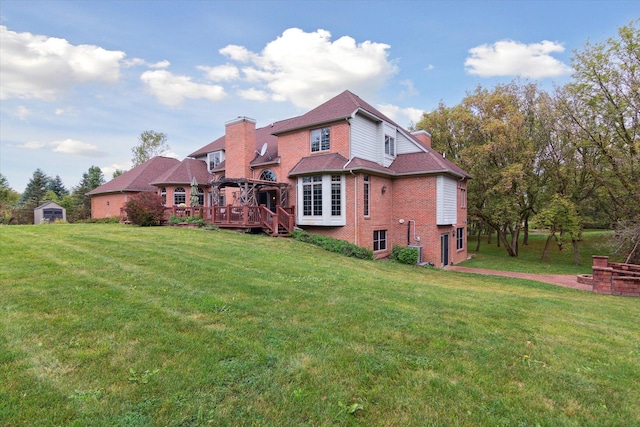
(150, 144)
(494, 135)
(601, 108)
(8, 197)
(56, 185)
(36, 189)
(91, 179)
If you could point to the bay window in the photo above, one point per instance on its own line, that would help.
(322, 198)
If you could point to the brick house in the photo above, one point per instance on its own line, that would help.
(107, 199)
(343, 170)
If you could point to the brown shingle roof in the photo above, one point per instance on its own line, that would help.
(321, 163)
(138, 178)
(337, 108)
(431, 162)
(184, 172)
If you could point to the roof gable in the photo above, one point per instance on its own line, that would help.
(184, 172)
(138, 178)
(337, 108)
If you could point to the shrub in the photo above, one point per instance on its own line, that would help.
(404, 255)
(174, 219)
(145, 209)
(333, 245)
(109, 220)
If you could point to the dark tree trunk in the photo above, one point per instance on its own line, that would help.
(546, 247)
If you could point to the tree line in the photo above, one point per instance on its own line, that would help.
(566, 159)
(18, 208)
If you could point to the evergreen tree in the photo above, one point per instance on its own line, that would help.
(91, 179)
(36, 189)
(57, 187)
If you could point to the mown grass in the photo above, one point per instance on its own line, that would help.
(119, 325)
(490, 256)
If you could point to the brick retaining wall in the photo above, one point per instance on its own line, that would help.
(615, 278)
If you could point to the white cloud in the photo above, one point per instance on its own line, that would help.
(33, 145)
(309, 68)
(510, 58)
(108, 171)
(36, 66)
(172, 90)
(253, 95)
(410, 89)
(75, 147)
(221, 73)
(402, 116)
(237, 53)
(22, 112)
(66, 146)
(138, 61)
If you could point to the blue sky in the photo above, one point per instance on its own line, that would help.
(80, 80)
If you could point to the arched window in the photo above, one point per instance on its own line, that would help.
(268, 175)
(163, 193)
(179, 196)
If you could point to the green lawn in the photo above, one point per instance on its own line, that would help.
(119, 325)
(595, 242)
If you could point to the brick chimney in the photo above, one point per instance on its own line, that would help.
(240, 147)
(423, 136)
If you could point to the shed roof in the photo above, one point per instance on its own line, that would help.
(49, 204)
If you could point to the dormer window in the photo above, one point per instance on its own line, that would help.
(389, 145)
(320, 140)
(214, 159)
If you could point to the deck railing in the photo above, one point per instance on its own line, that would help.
(238, 216)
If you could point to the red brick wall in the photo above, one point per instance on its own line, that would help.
(240, 147)
(108, 205)
(295, 145)
(615, 278)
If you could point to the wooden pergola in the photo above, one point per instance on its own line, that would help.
(249, 189)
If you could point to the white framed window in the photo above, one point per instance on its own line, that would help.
(336, 195)
(322, 198)
(379, 240)
(163, 194)
(312, 195)
(389, 145)
(320, 139)
(459, 238)
(179, 196)
(214, 159)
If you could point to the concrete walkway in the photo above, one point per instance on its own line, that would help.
(565, 280)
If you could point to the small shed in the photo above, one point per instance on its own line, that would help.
(49, 212)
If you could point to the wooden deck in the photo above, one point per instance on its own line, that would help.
(279, 223)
